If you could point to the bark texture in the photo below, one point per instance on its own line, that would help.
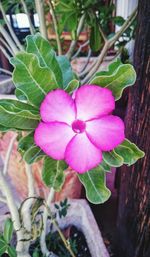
(134, 196)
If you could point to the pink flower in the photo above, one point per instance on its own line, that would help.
(78, 130)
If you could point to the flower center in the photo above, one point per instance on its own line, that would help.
(78, 126)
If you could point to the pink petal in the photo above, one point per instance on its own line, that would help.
(106, 133)
(93, 102)
(58, 106)
(53, 138)
(81, 155)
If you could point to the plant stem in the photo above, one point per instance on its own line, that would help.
(41, 14)
(67, 244)
(5, 53)
(126, 25)
(96, 66)
(9, 151)
(3, 83)
(3, 199)
(108, 44)
(7, 46)
(44, 249)
(80, 48)
(5, 188)
(74, 42)
(102, 33)
(55, 22)
(8, 39)
(10, 28)
(32, 30)
(6, 71)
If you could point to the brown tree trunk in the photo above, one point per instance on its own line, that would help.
(134, 195)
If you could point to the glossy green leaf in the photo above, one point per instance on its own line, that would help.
(47, 57)
(66, 70)
(33, 80)
(3, 245)
(117, 81)
(113, 159)
(129, 152)
(95, 38)
(8, 230)
(105, 166)
(72, 86)
(18, 115)
(111, 68)
(11, 251)
(94, 182)
(26, 142)
(53, 173)
(33, 154)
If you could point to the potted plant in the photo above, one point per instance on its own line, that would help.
(90, 143)
(63, 120)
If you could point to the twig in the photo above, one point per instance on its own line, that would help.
(14, 214)
(8, 39)
(126, 24)
(6, 71)
(7, 46)
(5, 53)
(32, 30)
(66, 243)
(5, 82)
(3, 199)
(40, 12)
(108, 44)
(74, 42)
(26, 210)
(8, 154)
(10, 28)
(55, 22)
(87, 60)
(82, 74)
(102, 33)
(79, 49)
(96, 66)
(30, 178)
(44, 249)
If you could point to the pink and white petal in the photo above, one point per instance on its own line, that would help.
(93, 102)
(106, 133)
(58, 106)
(81, 155)
(53, 138)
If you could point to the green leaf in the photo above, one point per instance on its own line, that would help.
(122, 77)
(11, 251)
(26, 142)
(33, 80)
(72, 86)
(95, 185)
(95, 38)
(53, 173)
(66, 70)
(118, 20)
(18, 115)
(47, 57)
(33, 154)
(3, 245)
(105, 166)
(111, 68)
(129, 152)
(112, 159)
(8, 230)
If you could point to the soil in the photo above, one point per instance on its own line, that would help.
(55, 244)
